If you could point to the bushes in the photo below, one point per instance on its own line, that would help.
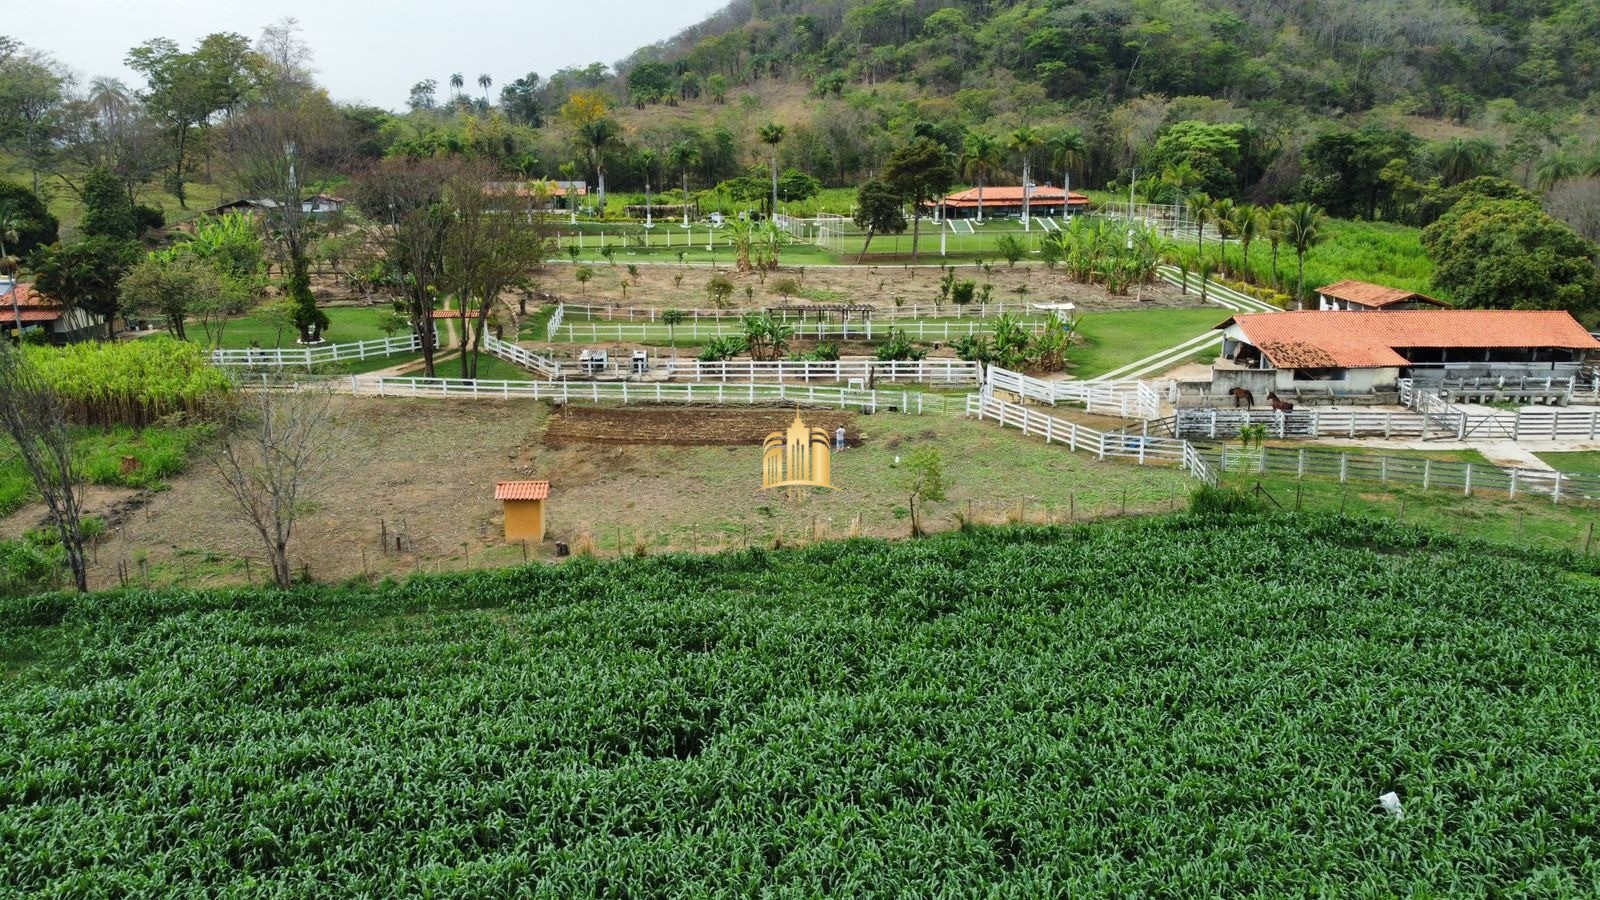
(132, 382)
(1211, 501)
(160, 454)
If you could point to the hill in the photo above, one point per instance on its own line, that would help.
(1182, 707)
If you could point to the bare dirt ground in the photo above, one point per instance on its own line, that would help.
(693, 427)
(635, 479)
(666, 286)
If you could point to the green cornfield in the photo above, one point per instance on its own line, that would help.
(1174, 707)
(132, 383)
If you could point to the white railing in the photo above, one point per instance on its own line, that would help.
(593, 332)
(1142, 448)
(282, 357)
(625, 392)
(1429, 474)
(521, 356)
(798, 308)
(554, 325)
(928, 371)
(1127, 399)
(1215, 293)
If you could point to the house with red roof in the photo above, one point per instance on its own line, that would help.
(1362, 296)
(23, 307)
(1350, 351)
(1000, 201)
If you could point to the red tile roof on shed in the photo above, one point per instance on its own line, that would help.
(1374, 295)
(522, 490)
(1011, 196)
(34, 306)
(1357, 340)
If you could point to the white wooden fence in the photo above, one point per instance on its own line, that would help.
(927, 371)
(914, 311)
(1430, 474)
(1141, 448)
(624, 392)
(597, 332)
(283, 357)
(1301, 423)
(1127, 399)
(554, 325)
(521, 356)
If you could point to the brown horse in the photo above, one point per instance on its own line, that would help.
(1243, 394)
(1279, 405)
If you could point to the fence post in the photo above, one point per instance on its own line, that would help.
(1300, 466)
(1344, 467)
(1427, 472)
(1383, 469)
(1555, 494)
(1467, 488)
(1514, 483)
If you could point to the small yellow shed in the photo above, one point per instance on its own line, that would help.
(524, 508)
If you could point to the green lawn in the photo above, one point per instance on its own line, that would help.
(1114, 339)
(1584, 462)
(348, 324)
(1378, 252)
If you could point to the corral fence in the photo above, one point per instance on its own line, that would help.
(865, 371)
(284, 357)
(595, 332)
(1429, 474)
(521, 356)
(912, 311)
(1435, 419)
(1127, 399)
(867, 401)
(1142, 449)
(1450, 422)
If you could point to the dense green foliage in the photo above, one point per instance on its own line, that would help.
(1136, 709)
(132, 382)
(35, 226)
(1509, 253)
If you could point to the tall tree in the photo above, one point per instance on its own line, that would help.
(494, 241)
(185, 90)
(85, 274)
(282, 156)
(921, 173)
(683, 156)
(1492, 253)
(33, 93)
(879, 210)
(772, 135)
(35, 417)
(484, 81)
(457, 82)
(1199, 208)
(107, 212)
(1070, 151)
(980, 157)
(1305, 226)
(404, 198)
(1023, 141)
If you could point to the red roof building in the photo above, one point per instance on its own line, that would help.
(522, 490)
(61, 324)
(1336, 345)
(1006, 201)
(1361, 295)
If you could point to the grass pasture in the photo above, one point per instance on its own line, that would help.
(1131, 709)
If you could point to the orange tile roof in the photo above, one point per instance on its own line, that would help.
(522, 490)
(1374, 295)
(1352, 339)
(34, 306)
(1011, 196)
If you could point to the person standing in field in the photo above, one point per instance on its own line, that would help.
(838, 439)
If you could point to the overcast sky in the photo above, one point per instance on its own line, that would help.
(368, 51)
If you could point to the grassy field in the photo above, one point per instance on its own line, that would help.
(1114, 339)
(1178, 707)
(1379, 252)
(347, 325)
(1524, 522)
(64, 204)
(1586, 462)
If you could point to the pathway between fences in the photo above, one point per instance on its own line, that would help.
(283, 357)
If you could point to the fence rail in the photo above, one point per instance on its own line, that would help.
(927, 371)
(1127, 399)
(594, 332)
(554, 325)
(869, 401)
(1430, 474)
(282, 357)
(914, 311)
(1143, 449)
(521, 356)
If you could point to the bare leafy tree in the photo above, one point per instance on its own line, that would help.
(273, 459)
(496, 239)
(36, 418)
(1576, 201)
(405, 200)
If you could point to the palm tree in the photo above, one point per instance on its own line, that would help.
(979, 158)
(683, 156)
(594, 139)
(1277, 231)
(1558, 165)
(1460, 160)
(1023, 141)
(1222, 213)
(1249, 223)
(1200, 213)
(1068, 150)
(456, 83)
(484, 81)
(647, 162)
(11, 225)
(671, 318)
(772, 134)
(1305, 227)
(570, 171)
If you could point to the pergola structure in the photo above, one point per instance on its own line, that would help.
(823, 311)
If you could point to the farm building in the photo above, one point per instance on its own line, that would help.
(314, 205)
(1362, 296)
(21, 304)
(1351, 352)
(523, 502)
(1006, 202)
